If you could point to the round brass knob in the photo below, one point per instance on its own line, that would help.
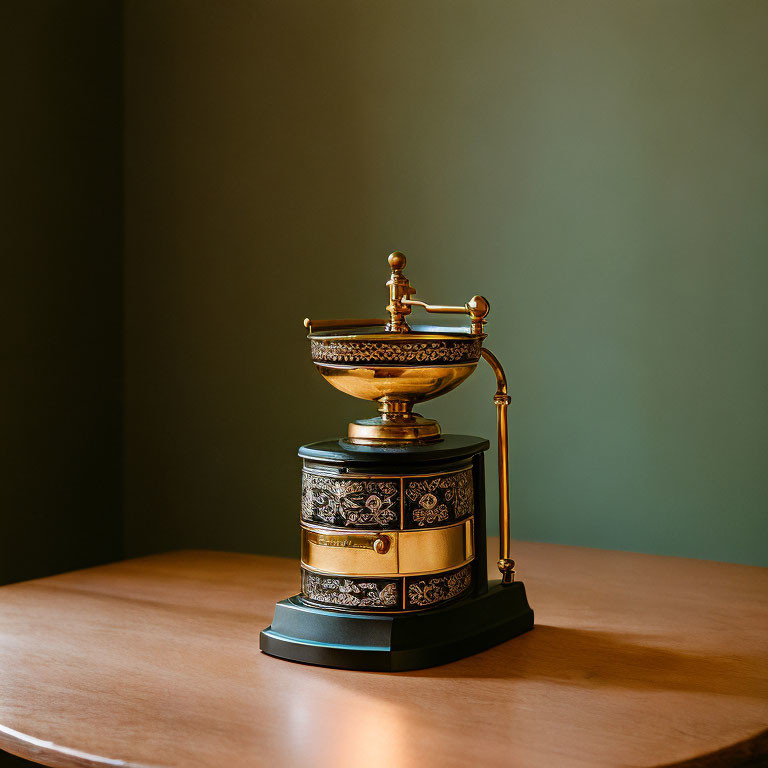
(478, 307)
(381, 545)
(397, 261)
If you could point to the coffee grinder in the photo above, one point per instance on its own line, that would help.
(392, 516)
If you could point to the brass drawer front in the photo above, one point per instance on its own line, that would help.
(399, 553)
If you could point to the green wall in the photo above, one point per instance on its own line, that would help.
(60, 286)
(597, 169)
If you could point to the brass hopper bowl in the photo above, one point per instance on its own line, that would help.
(389, 362)
(397, 370)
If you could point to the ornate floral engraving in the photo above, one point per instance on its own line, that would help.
(435, 351)
(437, 589)
(349, 502)
(352, 593)
(429, 511)
(439, 499)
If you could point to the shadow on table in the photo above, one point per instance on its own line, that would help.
(7, 760)
(749, 753)
(594, 659)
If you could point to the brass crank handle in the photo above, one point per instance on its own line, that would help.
(477, 308)
(501, 399)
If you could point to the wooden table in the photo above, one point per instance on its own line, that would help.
(635, 660)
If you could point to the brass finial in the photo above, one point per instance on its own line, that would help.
(399, 290)
(397, 261)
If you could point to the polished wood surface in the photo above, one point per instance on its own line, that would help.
(635, 660)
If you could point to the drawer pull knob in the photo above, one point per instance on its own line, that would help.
(381, 545)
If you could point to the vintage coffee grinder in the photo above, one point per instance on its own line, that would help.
(393, 544)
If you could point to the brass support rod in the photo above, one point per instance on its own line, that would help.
(330, 325)
(501, 399)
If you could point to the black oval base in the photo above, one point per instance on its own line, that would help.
(396, 642)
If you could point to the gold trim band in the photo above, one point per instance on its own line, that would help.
(383, 576)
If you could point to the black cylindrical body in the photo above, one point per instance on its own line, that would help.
(393, 528)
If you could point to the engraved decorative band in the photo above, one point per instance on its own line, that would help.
(350, 502)
(438, 500)
(345, 592)
(400, 594)
(386, 503)
(424, 592)
(435, 352)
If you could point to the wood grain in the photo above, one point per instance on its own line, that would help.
(635, 660)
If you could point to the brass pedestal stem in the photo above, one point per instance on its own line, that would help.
(385, 429)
